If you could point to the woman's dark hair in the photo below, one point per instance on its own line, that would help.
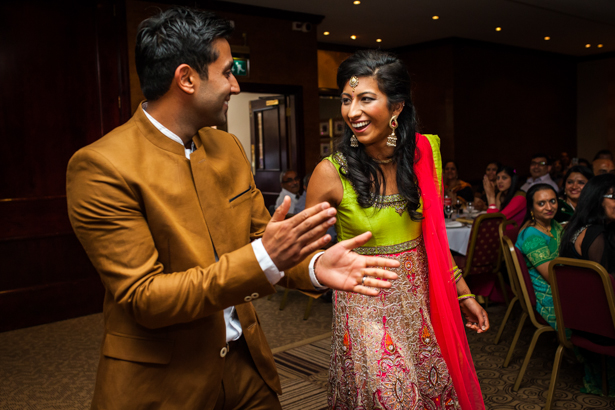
(586, 172)
(589, 209)
(529, 198)
(362, 171)
(514, 182)
(173, 37)
(449, 161)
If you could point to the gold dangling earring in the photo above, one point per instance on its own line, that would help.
(354, 142)
(392, 139)
(532, 215)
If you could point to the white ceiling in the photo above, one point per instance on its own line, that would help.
(571, 24)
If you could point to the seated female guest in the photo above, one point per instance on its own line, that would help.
(480, 197)
(509, 201)
(455, 187)
(574, 181)
(539, 241)
(590, 235)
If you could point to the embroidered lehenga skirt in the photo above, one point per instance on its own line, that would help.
(384, 352)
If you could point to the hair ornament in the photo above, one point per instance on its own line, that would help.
(354, 82)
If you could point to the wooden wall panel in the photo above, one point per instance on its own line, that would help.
(489, 101)
(431, 69)
(509, 104)
(63, 78)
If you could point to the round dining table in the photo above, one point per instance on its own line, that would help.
(458, 236)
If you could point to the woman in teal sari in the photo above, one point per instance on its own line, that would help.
(539, 242)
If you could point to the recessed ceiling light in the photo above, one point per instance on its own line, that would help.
(599, 45)
(547, 38)
(498, 29)
(379, 40)
(353, 37)
(588, 45)
(435, 17)
(357, 2)
(326, 33)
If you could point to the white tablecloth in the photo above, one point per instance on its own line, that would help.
(458, 238)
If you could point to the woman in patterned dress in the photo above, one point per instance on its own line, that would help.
(406, 348)
(539, 241)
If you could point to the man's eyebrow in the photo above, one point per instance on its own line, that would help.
(229, 65)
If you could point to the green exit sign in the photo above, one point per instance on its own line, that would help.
(241, 67)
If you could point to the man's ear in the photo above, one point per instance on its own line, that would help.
(186, 78)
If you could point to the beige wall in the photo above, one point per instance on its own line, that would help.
(239, 117)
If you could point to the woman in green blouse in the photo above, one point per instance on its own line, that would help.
(539, 241)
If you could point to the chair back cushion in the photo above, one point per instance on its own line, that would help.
(583, 300)
(487, 245)
(512, 232)
(527, 279)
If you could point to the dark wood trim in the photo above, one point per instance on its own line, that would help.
(247, 9)
(34, 217)
(596, 57)
(458, 41)
(328, 92)
(49, 303)
(342, 48)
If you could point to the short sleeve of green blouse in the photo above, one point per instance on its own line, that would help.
(536, 249)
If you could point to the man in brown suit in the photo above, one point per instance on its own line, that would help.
(169, 214)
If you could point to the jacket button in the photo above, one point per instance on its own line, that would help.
(223, 352)
(255, 295)
(247, 298)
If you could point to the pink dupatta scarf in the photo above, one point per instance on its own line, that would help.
(445, 312)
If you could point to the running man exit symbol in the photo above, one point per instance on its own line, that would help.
(240, 67)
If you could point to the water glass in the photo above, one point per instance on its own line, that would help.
(470, 207)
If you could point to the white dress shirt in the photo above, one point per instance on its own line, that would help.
(293, 201)
(545, 179)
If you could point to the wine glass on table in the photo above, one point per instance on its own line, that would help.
(448, 211)
(458, 207)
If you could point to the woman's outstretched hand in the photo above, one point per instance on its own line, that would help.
(341, 269)
(475, 315)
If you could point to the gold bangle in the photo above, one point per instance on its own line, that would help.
(466, 296)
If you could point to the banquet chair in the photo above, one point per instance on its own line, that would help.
(584, 300)
(527, 299)
(509, 227)
(483, 256)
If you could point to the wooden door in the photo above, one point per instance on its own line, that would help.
(271, 147)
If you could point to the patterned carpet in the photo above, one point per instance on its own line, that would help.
(53, 366)
(304, 372)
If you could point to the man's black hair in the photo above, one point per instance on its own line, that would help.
(173, 37)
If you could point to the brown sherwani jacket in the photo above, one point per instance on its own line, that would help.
(149, 220)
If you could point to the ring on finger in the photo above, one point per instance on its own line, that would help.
(363, 281)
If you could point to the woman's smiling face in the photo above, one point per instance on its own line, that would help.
(366, 111)
(574, 185)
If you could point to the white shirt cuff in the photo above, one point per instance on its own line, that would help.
(271, 271)
(315, 282)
